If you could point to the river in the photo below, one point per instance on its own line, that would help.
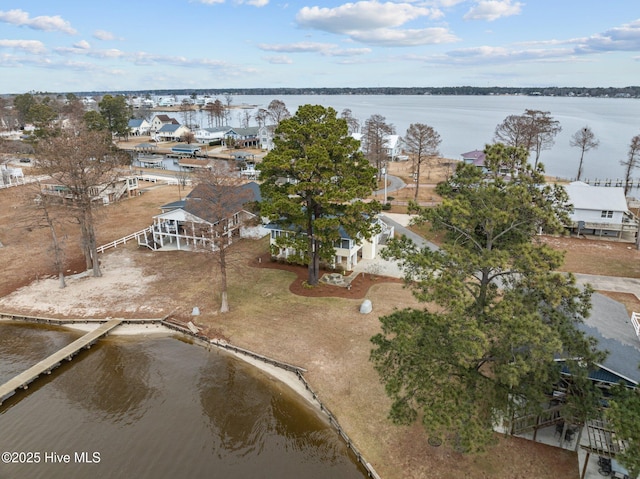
(158, 407)
(468, 122)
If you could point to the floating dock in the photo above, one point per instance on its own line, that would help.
(45, 366)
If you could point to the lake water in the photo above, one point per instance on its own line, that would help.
(467, 123)
(158, 407)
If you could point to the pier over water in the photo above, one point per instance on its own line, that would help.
(45, 366)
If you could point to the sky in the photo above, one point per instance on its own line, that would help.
(73, 45)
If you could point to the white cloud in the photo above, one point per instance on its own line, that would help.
(391, 37)
(491, 10)
(364, 15)
(82, 44)
(326, 49)
(376, 23)
(279, 60)
(103, 35)
(31, 46)
(255, 3)
(623, 38)
(21, 18)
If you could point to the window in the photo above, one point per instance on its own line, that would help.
(606, 214)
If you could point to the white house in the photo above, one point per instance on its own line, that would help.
(244, 137)
(171, 132)
(392, 145)
(190, 223)
(348, 251)
(600, 210)
(207, 135)
(159, 121)
(139, 127)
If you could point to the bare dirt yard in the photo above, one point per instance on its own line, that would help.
(272, 313)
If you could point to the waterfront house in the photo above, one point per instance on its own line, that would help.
(243, 137)
(171, 132)
(124, 186)
(475, 157)
(600, 211)
(208, 211)
(159, 121)
(348, 250)
(209, 135)
(139, 127)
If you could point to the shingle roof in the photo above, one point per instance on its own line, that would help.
(215, 202)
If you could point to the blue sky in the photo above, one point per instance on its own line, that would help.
(73, 45)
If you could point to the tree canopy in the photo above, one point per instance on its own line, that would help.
(313, 183)
(497, 313)
(117, 113)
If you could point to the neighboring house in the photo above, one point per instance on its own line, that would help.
(265, 136)
(391, 143)
(11, 175)
(348, 251)
(159, 121)
(171, 132)
(600, 210)
(475, 157)
(208, 135)
(244, 137)
(123, 187)
(186, 224)
(139, 127)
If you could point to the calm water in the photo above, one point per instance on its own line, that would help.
(159, 408)
(468, 122)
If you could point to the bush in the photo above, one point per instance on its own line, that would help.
(386, 206)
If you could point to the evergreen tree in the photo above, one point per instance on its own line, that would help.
(314, 182)
(498, 313)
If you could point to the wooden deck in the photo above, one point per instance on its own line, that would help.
(45, 366)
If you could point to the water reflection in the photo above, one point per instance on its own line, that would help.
(114, 380)
(161, 408)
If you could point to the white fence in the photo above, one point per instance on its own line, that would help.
(132, 236)
(635, 320)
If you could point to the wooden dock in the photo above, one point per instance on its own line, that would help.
(45, 366)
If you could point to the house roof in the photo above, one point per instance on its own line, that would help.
(169, 128)
(230, 200)
(251, 131)
(136, 123)
(610, 324)
(476, 157)
(185, 148)
(166, 119)
(598, 198)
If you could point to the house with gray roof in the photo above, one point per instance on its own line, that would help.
(171, 132)
(208, 210)
(600, 211)
(139, 127)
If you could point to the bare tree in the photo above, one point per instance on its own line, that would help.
(228, 98)
(353, 124)
(215, 113)
(374, 138)
(220, 199)
(188, 137)
(422, 142)
(188, 115)
(631, 163)
(277, 111)
(534, 130)
(513, 131)
(585, 140)
(43, 211)
(84, 163)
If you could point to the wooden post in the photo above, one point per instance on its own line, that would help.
(586, 462)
